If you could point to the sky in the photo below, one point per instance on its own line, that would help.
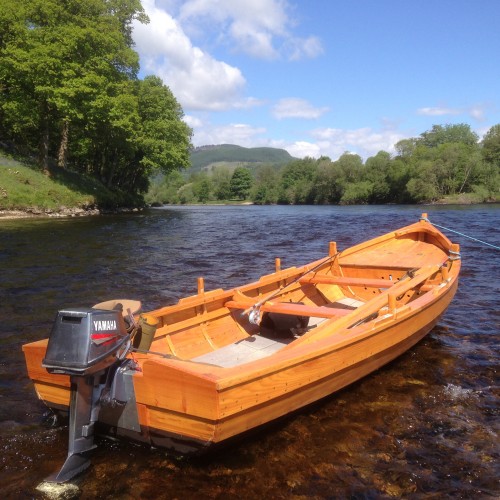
(325, 77)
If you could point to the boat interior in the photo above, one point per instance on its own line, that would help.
(216, 327)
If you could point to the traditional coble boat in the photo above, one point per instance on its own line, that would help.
(222, 362)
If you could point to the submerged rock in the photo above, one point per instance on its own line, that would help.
(56, 491)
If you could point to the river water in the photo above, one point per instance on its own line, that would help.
(425, 426)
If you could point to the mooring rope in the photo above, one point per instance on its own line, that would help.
(461, 234)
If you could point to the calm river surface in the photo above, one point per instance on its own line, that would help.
(425, 426)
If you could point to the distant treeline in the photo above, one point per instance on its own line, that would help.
(446, 162)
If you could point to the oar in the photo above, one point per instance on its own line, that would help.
(279, 290)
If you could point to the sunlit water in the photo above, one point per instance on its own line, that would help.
(425, 426)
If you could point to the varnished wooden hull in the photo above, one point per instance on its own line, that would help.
(400, 283)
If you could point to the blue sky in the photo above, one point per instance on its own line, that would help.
(321, 77)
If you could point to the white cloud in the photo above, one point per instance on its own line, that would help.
(193, 121)
(476, 111)
(363, 141)
(325, 142)
(293, 107)
(301, 48)
(438, 111)
(259, 28)
(301, 149)
(234, 133)
(198, 80)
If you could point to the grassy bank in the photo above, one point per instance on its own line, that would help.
(23, 187)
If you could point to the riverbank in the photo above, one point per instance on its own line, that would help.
(27, 192)
(63, 212)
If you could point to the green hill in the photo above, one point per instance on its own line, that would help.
(206, 157)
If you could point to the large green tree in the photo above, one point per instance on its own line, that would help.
(69, 87)
(165, 138)
(60, 58)
(221, 180)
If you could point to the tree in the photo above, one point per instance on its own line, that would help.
(329, 183)
(442, 134)
(376, 172)
(69, 79)
(423, 186)
(398, 176)
(357, 193)
(405, 148)
(165, 138)
(351, 164)
(166, 191)
(202, 187)
(266, 187)
(221, 180)
(64, 58)
(297, 179)
(491, 146)
(241, 183)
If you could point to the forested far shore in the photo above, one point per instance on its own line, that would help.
(445, 164)
(71, 98)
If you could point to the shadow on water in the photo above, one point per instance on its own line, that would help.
(424, 426)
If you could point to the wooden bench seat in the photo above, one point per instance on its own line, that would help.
(292, 308)
(347, 281)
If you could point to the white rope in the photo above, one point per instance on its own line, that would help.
(461, 234)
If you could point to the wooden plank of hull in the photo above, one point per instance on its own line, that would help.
(56, 396)
(34, 353)
(259, 415)
(53, 389)
(175, 385)
(314, 362)
(239, 405)
(182, 425)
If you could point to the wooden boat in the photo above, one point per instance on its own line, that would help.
(223, 362)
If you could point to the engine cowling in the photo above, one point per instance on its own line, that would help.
(84, 341)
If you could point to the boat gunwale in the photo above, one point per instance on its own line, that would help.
(291, 356)
(208, 297)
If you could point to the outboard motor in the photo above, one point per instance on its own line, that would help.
(84, 344)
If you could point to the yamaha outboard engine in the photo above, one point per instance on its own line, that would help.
(84, 344)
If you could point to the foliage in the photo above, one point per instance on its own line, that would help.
(221, 182)
(266, 186)
(69, 90)
(491, 146)
(241, 183)
(446, 162)
(445, 134)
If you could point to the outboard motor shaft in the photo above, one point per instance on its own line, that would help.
(84, 344)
